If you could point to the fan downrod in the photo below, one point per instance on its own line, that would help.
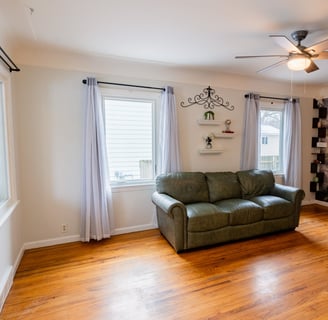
(299, 35)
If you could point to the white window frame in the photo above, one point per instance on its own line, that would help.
(138, 95)
(8, 206)
(269, 106)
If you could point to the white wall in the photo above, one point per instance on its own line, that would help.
(49, 118)
(132, 209)
(191, 133)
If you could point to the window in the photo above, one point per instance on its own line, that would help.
(4, 190)
(271, 133)
(130, 136)
(264, 140)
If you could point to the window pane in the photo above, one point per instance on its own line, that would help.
(3, 152)
(129, 139)
(270, 146)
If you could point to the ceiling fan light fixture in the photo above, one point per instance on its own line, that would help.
(298, 62)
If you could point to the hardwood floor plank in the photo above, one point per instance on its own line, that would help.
(139, 276)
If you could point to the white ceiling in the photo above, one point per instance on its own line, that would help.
(188, 33)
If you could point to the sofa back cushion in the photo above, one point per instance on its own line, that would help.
(223, 185)
(187, 187)
(255, 182)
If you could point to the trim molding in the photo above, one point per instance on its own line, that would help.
(134, 229)
(51, 242)
(75, 238)
(5, 284)
(307, 202)
(7, 280)
(321, 203)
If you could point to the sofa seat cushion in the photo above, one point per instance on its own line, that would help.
(240, 211)
(223, 185)
(205, 216)
(274, 207)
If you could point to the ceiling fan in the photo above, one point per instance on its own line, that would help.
(299, 57)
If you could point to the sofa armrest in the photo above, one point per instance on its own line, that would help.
(289, 193)
(295, 195)
(167, 203)
(172, 220)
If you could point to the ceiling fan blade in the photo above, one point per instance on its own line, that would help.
(285, 43)
(272, 66)
(317, 48)
(263, 56)
(312, 67)
(322, 56)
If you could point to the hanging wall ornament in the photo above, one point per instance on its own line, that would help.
(208, 99)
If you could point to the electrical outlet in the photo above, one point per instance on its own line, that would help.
(64, 228)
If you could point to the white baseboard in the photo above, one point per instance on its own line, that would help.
(18, 260)
(6, 282)
(74, 238)
(322, 203)
(51, 242)
(7, 279)
(143, 227)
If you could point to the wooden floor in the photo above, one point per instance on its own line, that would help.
(139, 276)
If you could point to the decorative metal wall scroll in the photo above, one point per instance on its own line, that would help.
(208, 99)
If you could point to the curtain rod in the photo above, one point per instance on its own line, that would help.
(271, 98)
(125, 85)
(7, 61)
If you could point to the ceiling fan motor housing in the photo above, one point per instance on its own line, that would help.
(299, 35)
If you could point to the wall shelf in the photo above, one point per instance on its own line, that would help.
(210, 151)
(224, 135)
(209, 122)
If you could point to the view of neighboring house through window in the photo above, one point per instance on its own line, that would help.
(130, 139)
(271, 133)
(4, 193)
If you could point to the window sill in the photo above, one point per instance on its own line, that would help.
(132, 186)
(6, 211)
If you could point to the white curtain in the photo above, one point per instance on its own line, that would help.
(169, 151)
(292, 144)
(95, 208)
(249, 147)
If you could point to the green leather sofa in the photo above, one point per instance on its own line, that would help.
(196, 209)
